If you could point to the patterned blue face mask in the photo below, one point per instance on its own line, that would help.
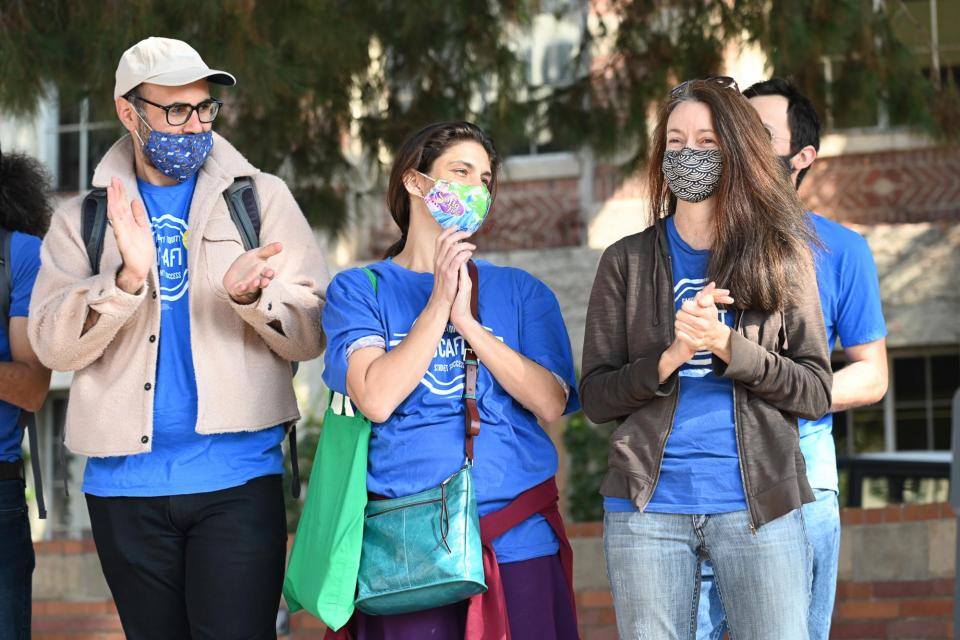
(177, 155)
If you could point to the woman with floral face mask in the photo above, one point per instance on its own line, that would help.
(397, 349)
(705, 342)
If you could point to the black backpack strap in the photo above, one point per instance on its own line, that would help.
(244, 206)
(93, 225)
(93, 228)
(28, 422)
(294, 461)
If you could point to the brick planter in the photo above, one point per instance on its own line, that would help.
(896, 582)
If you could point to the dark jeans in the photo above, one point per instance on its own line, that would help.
(16, 562)
(196, 566)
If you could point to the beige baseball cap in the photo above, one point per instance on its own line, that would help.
(164, 61)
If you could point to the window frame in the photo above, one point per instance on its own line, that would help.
(84, 127)
(889, 405)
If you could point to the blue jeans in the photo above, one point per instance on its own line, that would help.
(821, 521)
(16, 562)
(653, 563)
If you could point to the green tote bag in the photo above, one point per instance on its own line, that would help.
(325, 558)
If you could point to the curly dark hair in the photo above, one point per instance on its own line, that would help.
(26, 204)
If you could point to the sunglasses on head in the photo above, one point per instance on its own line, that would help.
(725, 82)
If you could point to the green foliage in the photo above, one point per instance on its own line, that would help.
(654, 47)
(870, 63)
(586, 446)
(313, 73)
(304, 71)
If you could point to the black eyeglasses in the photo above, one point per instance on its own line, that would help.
(179, 113)
(725, 82)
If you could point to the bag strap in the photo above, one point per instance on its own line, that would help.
(244, 206)
(371, 276)
(471, 412)
(28, 422)
(93, 225)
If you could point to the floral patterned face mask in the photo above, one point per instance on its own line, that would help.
(454, 204)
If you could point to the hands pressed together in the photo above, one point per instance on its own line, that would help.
(451, 284)
(697, 327)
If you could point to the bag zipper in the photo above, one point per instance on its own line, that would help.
(404, 506)
(444, 512)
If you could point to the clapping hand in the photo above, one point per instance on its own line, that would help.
(698, 326)
(250, 273)
(132, 230)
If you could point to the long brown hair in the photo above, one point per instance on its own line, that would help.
(762, 235)
(419, 152)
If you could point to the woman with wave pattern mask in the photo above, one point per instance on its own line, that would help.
(686, 348)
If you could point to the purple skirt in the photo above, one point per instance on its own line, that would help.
(538, 606)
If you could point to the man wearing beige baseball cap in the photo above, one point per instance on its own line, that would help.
(181, 342)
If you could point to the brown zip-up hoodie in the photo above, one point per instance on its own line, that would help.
(780, 368)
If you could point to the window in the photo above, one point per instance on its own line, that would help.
(931, 28)
(550, 49)
(82, 141)
(854, 96)
(915, 414)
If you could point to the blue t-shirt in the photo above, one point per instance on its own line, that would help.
(850, 299)
(700, 472)
(181, 461)
(422, 442)
(24, 265)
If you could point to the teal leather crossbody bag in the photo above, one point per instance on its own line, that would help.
(423, 551)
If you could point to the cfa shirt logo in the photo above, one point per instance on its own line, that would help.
(445, 376)
(702, 361)
(170, 237)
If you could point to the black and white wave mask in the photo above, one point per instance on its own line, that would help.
(693, 174)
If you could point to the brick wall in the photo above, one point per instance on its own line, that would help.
(921, 185)
(70, 598)
(528, 214)
(896, 573)
(898, 186)
(896, 582)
